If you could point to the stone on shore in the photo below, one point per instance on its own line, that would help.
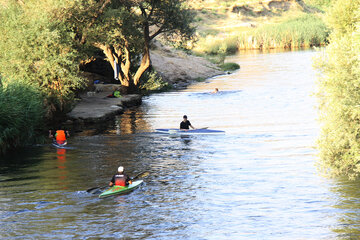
(181, 69)
(97, 107)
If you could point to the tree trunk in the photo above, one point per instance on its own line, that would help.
(145, 61)
(124, 68)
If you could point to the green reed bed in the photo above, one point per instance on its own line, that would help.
(305, 31)
(21, 115)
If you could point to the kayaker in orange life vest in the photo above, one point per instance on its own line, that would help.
(120, 179)
(60, 136)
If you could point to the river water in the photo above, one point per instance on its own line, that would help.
(257, 181)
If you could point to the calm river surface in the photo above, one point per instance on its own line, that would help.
(257, 181)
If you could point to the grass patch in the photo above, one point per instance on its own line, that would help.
(200, 79)
(229, 66)
(213, 45)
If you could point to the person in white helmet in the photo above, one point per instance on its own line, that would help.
(120, 179)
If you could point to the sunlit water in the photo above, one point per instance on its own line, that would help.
(258, 181)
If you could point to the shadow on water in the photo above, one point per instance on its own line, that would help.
(19, 161)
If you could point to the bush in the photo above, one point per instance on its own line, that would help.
(152, 81)
(21, 115)
(35, 48)
(229, 67)
(339, 93)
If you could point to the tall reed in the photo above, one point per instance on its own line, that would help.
(306, 31)
(21, 115)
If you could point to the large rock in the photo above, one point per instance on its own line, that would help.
(179, 68)
(98, 107)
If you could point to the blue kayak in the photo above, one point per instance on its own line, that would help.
(188, 132)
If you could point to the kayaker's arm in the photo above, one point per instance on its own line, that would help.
(112, 181)
(192, 126)
(50, 134)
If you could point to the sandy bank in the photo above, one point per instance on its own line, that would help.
(181, 69)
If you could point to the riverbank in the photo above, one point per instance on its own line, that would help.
(180, 69)
(265, 24)
(175, 67)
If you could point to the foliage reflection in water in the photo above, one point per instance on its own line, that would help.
(258, 181)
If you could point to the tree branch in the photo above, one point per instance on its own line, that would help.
(160, 30)
(101, 11)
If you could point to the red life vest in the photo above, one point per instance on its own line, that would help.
(60, 136)
(120, 180)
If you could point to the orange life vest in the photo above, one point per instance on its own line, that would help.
(60, 136)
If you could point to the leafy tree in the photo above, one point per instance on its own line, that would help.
(34, 50)
(339, 92)
(124, 29)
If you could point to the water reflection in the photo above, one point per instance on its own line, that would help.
(257, 181)
(347, 195)
(61, 165)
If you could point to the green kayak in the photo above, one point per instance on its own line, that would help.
(117, 190)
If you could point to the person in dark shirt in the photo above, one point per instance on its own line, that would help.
(120, 179)
(185, 124)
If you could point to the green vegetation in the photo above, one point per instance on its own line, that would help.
(21, 115)
(229, 67)
(319, 4)
(339, 93)
(124, 30)
(153, 82)
(34, 50)
(42, 44)
(260, 25)
(305, 31)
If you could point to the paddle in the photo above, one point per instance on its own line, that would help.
(141, 175)
(96, 189)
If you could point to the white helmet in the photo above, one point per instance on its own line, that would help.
(120, 169)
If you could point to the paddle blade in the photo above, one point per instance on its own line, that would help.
(95, 190)
(142, 175)
(90, 190)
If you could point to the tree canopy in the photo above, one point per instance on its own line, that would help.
(123, 30)
(35, 50)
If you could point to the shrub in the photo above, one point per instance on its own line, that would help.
(152, 81)
(229, 66)
(21, 115)
(339, 93)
